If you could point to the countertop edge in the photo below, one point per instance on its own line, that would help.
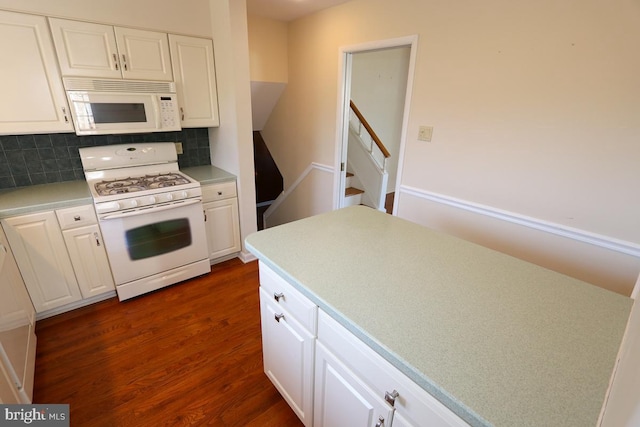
(453, 404)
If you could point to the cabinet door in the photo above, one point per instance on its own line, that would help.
(144, 55)
(85, 49)
(342, 399)
(223, 227)
(33, 99)
(41, 255)
(89, 260)
(195, 76)
(288, 357)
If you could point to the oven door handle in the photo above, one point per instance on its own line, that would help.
(144, 211)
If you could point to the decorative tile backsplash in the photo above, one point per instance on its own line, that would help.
(41, 159)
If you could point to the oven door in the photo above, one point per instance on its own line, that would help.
(145, 242)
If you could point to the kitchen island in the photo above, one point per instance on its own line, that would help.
(499, 341)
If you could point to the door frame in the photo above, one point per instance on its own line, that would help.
(344, 91)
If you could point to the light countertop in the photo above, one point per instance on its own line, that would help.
(34, 198)
(500, 341)
(43, 197)
(208, 174)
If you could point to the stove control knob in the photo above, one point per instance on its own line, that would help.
(164, 197)
(146, 201)
(128, 204)
(179, 195)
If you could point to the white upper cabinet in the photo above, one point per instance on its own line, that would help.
(195, 76)
(33, 98)
(96, 50)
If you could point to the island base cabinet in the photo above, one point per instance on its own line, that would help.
(373, 379)
(288, 351)
(341, 399)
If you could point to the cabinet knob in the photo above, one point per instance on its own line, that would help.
(277, 296)
(219, 193)
(380, 422)
(391, 397)
(278, 317)
(77, 218)
(115, 62)
(181, 113)
(124, 62)
(95, 236)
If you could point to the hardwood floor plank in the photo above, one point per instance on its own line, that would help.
(186, 355)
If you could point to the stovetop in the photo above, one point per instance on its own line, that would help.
(132, 184)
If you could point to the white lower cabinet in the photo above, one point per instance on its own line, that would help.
(222, 223)
(351, 384)
(288, 342)
(41, 254)
(61, 257)
(342, 399)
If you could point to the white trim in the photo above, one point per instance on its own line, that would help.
(622, 246)
(344, 85)
(283, 196)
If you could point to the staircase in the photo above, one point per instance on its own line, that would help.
(352, 194)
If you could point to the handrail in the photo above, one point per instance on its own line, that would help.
(370, 131)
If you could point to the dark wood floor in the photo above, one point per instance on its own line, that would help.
(187, 355)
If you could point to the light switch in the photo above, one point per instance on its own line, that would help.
(178, 147)
(425, 133)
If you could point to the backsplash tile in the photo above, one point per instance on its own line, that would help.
(41, 159)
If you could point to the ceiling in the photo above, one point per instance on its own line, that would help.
(288, 10)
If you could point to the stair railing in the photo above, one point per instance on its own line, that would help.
(376, 148)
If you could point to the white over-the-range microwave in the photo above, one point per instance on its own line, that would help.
(100, 106)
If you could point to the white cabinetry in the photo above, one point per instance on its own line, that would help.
(382, 390)
(342, 399)
(41, 254)
(61, 269)
(33, 99)
(351, 384)
(17, 336)
(288, 339)
(195, 76)
(222, 222)
(97, 50)
(86, 250)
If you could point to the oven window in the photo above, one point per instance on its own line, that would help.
(114, 112)
(158, 238)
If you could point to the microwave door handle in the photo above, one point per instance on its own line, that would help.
(145, 211)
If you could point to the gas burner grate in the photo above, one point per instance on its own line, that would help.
(140, 183)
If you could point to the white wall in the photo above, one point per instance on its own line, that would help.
(534, 107)
(378, 88)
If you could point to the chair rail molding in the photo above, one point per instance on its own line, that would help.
(618, 245)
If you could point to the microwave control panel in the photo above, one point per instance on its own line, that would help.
(169, 118)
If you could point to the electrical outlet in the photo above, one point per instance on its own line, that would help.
(425, 133)
(179, 147)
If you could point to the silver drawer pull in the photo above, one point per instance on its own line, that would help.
(278, 317)
(380, 422)
(277, 296)
(391, 397)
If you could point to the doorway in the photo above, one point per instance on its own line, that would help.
(377, 80)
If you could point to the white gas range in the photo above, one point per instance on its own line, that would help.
(150, 215)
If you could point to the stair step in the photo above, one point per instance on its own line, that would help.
(349, 174)
(352, 191)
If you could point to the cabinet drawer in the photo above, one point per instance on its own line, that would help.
(77, 216)
(220, 191)
(290, 299)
